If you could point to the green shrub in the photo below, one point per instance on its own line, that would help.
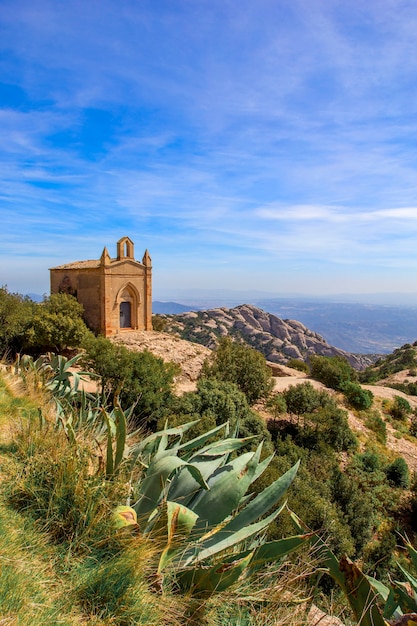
(400, 408)
(213, 403)
(237, 363)
(397, 473)
(333, 371)
(276, 404)
(137, 378)
(304, 398)
(16, 312)
(159, 323)
(374, 422)
(56, 325)
(298, 364)
(357, 397)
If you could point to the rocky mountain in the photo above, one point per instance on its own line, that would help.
(279, 340)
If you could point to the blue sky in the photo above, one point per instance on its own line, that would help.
(255, 145)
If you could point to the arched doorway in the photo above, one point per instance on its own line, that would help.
(128, 301)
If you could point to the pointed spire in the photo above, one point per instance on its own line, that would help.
(147, 259)
(105, 257)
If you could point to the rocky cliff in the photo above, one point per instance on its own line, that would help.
(279, 340)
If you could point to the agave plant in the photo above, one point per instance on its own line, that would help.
(399, 600)
(196, 495)
(77, 410)
(372, 602)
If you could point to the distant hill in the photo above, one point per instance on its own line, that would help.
(170, 307)
(279, 340)
(36, 297)
(358, 327)
(355, 327)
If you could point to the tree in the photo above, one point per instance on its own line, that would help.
(56, 324)
(15, 314)
(237, 363)
(303, 398)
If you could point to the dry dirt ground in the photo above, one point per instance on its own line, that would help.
(190, 357)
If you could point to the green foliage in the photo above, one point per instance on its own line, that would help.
(159, 323)
(357, 397)
(406, 387)
(136, 378)
(56, 485)
(356, 509)
(56, 325)
(304, 398)
(374, 422)
(400, 408)
(15, 314)
(77, 411)
(374, 603)
(299, 365)
(397, 473)
(237, 363)
(276, 404)
(322, 420)
(334, 372)
(213, 403)
(402, 358)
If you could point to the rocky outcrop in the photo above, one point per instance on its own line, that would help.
(188, 356)
(279, 340)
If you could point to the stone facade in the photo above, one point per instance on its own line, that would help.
(116, 293)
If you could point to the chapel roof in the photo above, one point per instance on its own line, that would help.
(78, 265)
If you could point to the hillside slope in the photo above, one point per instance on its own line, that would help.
(190, 356)
(279, 340)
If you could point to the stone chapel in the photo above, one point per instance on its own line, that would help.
(116, 293)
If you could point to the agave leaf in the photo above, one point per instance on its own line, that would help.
(391, 608)
(262, 466)
(412, 553)
(271, 551)
(174, 431)
(227, 486)
(163, 443)
(405, 601)
(214, 579)
(207, 548)
(155, 481)
(410, 578)
(121, 433)
(226, 446)
(200, 440)
(183, 487)
(360, 595)
(274, 550)
(109, 453)
(180, 522)
(354, 584)
(261, 504)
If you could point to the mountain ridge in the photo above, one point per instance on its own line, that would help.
(279, 340)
